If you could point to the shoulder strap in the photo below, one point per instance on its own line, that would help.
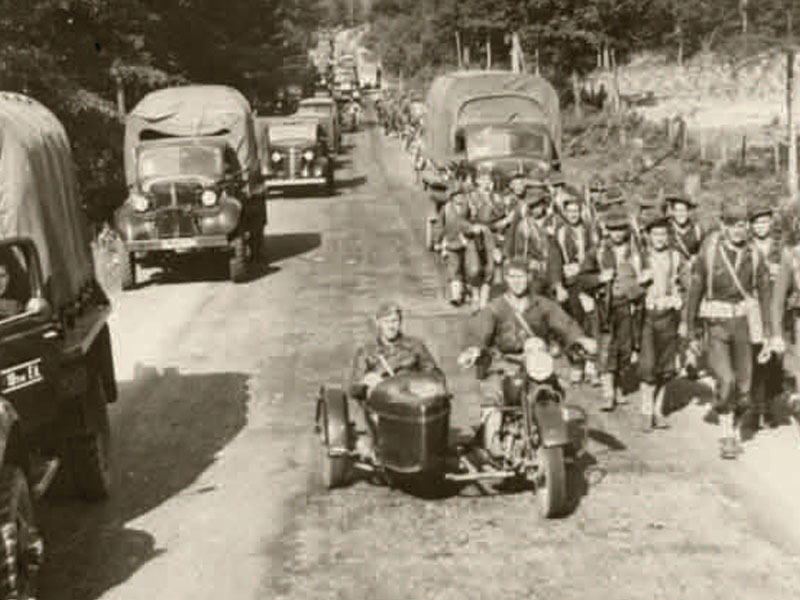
(562, 241)
(710, 266)
(732, 272)
(680, 242)
(755, 252)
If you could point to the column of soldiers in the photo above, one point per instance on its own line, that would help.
(653, 289)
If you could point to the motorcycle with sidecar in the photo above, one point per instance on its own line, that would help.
(407, 420)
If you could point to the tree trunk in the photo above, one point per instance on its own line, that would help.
(576, 93)
(791, 127)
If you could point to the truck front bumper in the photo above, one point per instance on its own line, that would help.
(295, 182)
(177, 244)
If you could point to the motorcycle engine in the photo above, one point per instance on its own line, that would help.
(512, 434)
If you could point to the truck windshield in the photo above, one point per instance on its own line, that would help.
(204, 161)
(491, 142)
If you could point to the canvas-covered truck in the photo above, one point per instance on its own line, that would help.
(194, 180)
(56, 364)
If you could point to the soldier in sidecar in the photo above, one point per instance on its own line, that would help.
(401, 424)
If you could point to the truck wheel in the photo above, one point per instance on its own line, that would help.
(21, 547)
(332, 428)
(551, 489)
(89, 455)
(237, 263)
(128, 270)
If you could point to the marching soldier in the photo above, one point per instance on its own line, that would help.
(576, 243)
(768, 376)
(786, 301)
(529, 239)
(618, 275)
(686, 235)
(487, 210)
(456, 228)
(662, 317)
(730, 290)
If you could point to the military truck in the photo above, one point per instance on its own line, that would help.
(56, 364)
(194, 180)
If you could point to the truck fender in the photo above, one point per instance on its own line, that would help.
(13, 447)
(552, 425)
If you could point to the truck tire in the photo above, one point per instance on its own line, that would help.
(128, 270)
(21, 544)
(88, 455)
(237, 263)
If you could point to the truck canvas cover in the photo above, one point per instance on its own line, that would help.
(487, 97)
(193, 111)
(39, 198)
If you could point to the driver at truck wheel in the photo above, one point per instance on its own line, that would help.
(505, 325)
(391, 352)
(10, 302)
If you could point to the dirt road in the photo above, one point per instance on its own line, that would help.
(215, 493)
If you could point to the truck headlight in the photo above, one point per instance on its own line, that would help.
(276, 157)
(139, 202)
(209, 198)
(308, 155)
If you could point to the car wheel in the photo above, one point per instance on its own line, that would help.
(332, 428)
(22, 548)
(128, 270)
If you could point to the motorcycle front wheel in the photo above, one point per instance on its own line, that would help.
(551, 488)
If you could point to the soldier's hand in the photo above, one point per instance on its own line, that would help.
(765, 354)
(561, 294)
(571, 269)
(683, 330)
(469, 357)
(606, 275)
(371, 380)
(589, 345)
(646, 276)
(777, 345)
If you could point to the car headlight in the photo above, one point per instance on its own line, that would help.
(209, 198)
(139, 202)
(308, 155)
(276, 156)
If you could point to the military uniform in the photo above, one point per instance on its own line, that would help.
(786, 302)
(456, 228)
(406, 354)
(485, 209)
(498, 326)
(529, 239)
(729, 345)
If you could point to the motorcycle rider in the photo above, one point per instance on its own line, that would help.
(392, 352)
(505, 325)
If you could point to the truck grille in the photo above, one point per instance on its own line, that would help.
(176, 194)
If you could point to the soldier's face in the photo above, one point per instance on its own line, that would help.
(761, 226)
(517, 281)
(618, 236)
(518, 187)
(572, 213)
(736, 231)
(484, 182)
(389, 326)
(680, 212)
(659, 237)
(537, 211)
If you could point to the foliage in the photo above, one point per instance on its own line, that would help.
(76, 56)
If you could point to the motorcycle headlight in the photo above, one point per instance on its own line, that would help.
(139, 202)
(209, 198)
(308, 155)
(538, 362)
(276, 157)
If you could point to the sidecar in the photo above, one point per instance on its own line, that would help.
(406, 422)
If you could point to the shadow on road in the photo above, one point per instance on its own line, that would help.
(680, 393)
(352, 183)
(287, 245)
(167, 430)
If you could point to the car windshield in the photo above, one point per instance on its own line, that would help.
(490, 142)
(205, 161)
(315, 109)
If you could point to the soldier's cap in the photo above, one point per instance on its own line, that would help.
(388, 309)
(651, 220)
(670, 199)
(568, 194)
(617, 218)
(759, 208)
(536, 196)
(733, 210)
(516, 264)
(597, 184)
